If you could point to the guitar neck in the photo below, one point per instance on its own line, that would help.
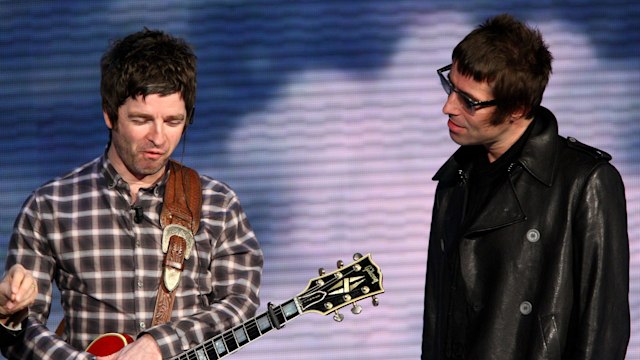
(324, 294)
(241, 335)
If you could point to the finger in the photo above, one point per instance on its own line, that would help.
(110, 357)
(18, 276)
(5, 292)
(33, 292)
(27, 294)
(6, 305)
(23, 285)
(5, 296)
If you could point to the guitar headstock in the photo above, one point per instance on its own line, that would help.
(350, 283)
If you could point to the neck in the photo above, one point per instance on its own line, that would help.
(135, 182)
(517, 128)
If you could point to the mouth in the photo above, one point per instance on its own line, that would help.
(152, 154)
(453, 126)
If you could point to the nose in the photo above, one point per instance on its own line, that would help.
(156, 134)
(450, 106)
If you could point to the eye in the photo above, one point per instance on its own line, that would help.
(468, 102)
(138, 120)
(175, 122)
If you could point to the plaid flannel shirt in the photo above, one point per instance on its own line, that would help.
(79, 231)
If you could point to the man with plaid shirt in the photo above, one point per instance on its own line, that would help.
(96, 231)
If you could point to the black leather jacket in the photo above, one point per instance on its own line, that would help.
(544, 267)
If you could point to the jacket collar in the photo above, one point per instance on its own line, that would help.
(539, 155)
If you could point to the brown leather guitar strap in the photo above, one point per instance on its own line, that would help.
(180, 219)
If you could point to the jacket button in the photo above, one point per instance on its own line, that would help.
(533, 235)
(525, 308)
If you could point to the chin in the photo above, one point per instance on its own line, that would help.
(151, 170)
(457, 139)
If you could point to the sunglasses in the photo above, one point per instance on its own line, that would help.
(469, 104)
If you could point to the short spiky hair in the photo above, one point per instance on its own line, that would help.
(147, 62)
(512, 57)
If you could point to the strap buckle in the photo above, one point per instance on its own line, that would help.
(178, 230)
(171, 276)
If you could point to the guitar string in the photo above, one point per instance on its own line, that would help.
(228, 335)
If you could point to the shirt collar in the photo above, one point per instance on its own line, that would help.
(115, 180)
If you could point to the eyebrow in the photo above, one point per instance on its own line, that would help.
(176, 117)
(147, 116)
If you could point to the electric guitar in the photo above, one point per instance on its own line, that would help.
(324, 294)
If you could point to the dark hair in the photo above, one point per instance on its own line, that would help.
(147, 62)
(512, 57)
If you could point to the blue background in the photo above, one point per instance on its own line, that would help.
(325, 117)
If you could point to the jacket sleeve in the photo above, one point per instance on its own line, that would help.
(601, 268)
(236, 267)
(29, 247)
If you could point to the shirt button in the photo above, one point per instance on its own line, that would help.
(533, 235)
(142, 325)
(525, 308)
(140, 284)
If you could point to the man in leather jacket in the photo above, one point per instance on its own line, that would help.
(528, 251)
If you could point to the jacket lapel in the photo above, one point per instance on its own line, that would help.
(502, 210)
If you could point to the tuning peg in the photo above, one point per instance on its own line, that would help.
(338, 317)
(321, 271)
(340, 264)
(375, 301)
(356, 309)
(357, 256)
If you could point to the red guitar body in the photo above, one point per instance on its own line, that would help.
(108, 344)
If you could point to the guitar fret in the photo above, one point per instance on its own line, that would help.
(219, 346)
(290, 310)
(210, 351)
(201, 353)
(230, 341)
(280, 315)
(264, 324)
(241, 335)
(252, 330)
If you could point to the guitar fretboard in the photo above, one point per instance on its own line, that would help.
(233, 339)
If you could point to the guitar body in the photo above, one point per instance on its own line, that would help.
(108, 344)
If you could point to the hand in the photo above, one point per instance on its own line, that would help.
(18, 290)
(143, 348)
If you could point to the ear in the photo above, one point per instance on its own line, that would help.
(518, 114)
(107, 120)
